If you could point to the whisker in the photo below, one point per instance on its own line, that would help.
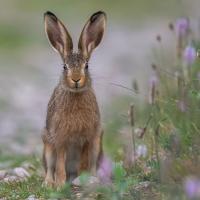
(118, 85)
(124, 87)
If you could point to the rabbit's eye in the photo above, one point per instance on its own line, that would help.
(65, 67)
(86, 66)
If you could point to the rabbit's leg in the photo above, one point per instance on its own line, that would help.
(84, 158)
(94, 151)
(60, 173)
(49, 162)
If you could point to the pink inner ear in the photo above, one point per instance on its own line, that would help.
(93, 37)
(54, 37)
(89, 36)
(92, 34)
(53, 31)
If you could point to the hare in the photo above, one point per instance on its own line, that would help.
(72, 136)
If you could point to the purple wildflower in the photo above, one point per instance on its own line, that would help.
(192, 187)
(190, 55)
(105, 170)
(182, 26)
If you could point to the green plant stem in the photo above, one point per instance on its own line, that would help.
(157, 150)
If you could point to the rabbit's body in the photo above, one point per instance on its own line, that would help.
(73, 120)
(72, 136)
(72, 117)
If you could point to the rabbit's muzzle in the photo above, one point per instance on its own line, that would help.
(76, 81)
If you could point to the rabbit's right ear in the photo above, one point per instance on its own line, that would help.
(92, 33)
(58, 35)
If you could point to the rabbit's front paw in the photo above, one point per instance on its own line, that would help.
(60, 181)
(48, 182)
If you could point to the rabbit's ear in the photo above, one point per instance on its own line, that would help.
(92, 33)
(58, 35)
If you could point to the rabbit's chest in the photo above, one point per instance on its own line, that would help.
(80, 119)
(77, 120)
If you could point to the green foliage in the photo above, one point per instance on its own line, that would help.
(22, 190)
(62, 193)
(119, 172)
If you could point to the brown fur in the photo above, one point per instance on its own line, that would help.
(72, 136)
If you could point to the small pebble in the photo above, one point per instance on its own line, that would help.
(76, 181)
(79, 195)
(21, 172)
(143, 185)
(91, 180)
(11, 179)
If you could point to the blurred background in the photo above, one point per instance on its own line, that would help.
(30, 69)
(149, 57)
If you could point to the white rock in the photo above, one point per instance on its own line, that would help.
(91, 180)
(3, 174)
(76, 181)
(21, 172)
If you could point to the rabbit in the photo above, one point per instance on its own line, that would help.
(72, 137)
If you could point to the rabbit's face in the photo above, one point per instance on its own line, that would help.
(75, 75)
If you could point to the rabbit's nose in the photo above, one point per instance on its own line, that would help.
(76, 80)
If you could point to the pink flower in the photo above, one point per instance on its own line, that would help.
(104, 171)
(192, 187)
(190, 55)
(182, 26)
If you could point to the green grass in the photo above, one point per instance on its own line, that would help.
(125, 184)
(23, 190)
(33, 185)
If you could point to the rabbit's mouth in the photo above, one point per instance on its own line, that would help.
(79, 84)
(76, 85)
(75, 89)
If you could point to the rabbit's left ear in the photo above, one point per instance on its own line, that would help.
(92, 33)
